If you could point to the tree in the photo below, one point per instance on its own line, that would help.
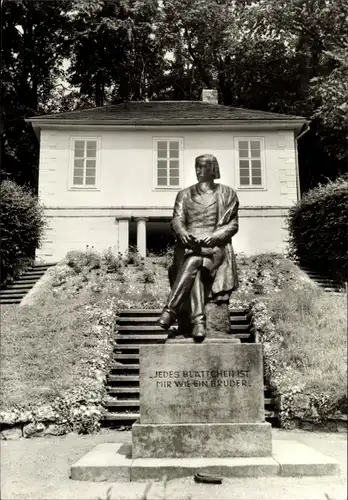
(267, 54)
(32, 51)
(114, 52)
(317, 33)
(332, 93)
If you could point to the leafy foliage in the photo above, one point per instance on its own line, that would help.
(318, 228)
(21, 227)
(332, 92)
(33, 48)
(114, 51)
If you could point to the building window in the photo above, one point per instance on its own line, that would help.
(168, 162)
(250, 160)
(84, 172)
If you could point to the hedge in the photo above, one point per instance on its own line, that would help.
(21, 228)
(318, 229)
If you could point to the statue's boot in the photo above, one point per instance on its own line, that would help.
(198, 332)
(167, 318)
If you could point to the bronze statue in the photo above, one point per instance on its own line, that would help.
(204, 269)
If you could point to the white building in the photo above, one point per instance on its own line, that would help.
(108, 176)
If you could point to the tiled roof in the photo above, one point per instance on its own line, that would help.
(170, 112)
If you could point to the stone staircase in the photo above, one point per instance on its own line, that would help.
(138, 327)
(15, 292)
(325, 282)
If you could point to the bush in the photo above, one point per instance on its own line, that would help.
(134, 258)
(21, 228)
(149, 276)
(113, 262)
(318, 229)
(80, 260)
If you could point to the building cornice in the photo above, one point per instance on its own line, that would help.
(294, 124)
(152, 212)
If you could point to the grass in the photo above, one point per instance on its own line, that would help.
(304, 334)
(313, 326)
(60, 345)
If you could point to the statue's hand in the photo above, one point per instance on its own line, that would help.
(209, 241)
(187, 239)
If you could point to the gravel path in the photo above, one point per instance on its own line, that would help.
(38, 469)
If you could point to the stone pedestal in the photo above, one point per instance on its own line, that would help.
(201, 410)
(201, 400)
(201, 383)
(201, 440)
(218, 320)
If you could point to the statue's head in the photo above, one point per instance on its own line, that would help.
(207, 167)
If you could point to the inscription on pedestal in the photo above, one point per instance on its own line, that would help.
(205, 383)
(201, 378)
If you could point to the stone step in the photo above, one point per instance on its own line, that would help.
(19, 286)
(25, 282)
(331, 289)
(161, 338)
(141, 339)
(123, 378)
(130, 348)
(124, 416)
(9, 301)
(157, 312)
(321, 279)
(122, 390)
(34, 272)
(156, 328)
(117, 403)
(113, 462)
(12, 294)
(149, 320)
(125, 357)
(124, 367)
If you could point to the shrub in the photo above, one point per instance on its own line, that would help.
(113, 263)
(318, 229)
(21, 228)
(134, 258)
(149, 276)
(87, 260)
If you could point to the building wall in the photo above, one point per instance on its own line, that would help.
(77, 218)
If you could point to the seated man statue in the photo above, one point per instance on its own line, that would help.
(204, 269)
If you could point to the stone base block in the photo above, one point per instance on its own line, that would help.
(297, 459)
(144, 469)
(112, 462)
(105, 462)
(201, 440)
